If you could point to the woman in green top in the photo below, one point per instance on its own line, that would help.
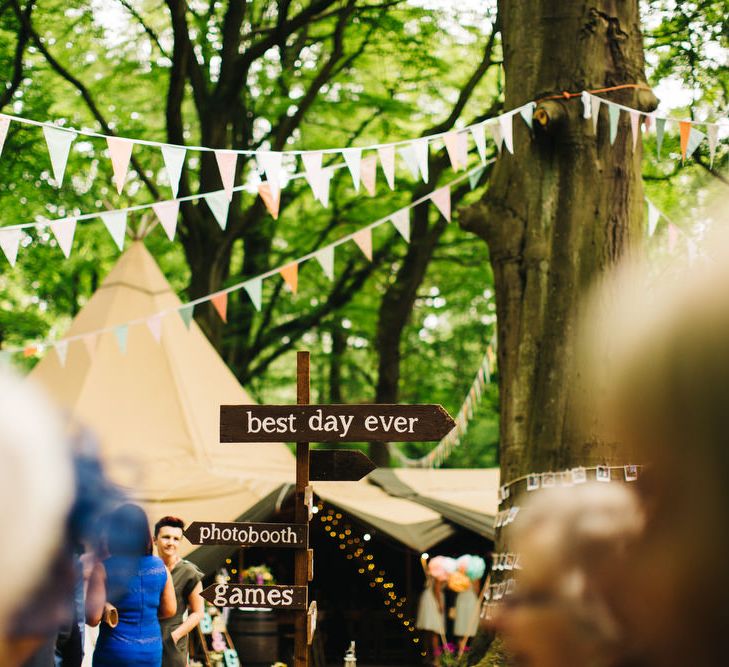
(187, 580)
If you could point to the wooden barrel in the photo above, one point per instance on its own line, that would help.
(255, 636)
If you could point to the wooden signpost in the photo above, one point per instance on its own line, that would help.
(304, 423)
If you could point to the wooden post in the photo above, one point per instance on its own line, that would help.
(301, 566)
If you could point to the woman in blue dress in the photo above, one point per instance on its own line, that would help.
(138, 585)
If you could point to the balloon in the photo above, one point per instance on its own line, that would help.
(449, 564)
(436, 568)
(458, 582)
(476, 567)
(462, 563)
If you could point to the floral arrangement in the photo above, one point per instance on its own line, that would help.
(260, 575)
(447, 656)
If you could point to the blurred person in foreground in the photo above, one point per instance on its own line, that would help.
(571, 543)
(139, 587)
(36, 491)
(659, 349)
(187, 580)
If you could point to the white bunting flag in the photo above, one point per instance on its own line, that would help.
(59, 144)
(120, 152)
(496, 133)
(116, 224)
(167, 213)
(218, 203)
(363, 239)
(595, 102)
(174, 157)
(61, 348)
(353, 158)
(422, 154)
(462, 148)
(368, 174)
(635, 126)
(712, 132)
(4, 125)
(254, 289)
(226, 165)
(450, 139)
(527, 113)
(479, 136)
(312, 171)
(614, 117)
(387, 160)
(407, 153)
(506, 125)
(325, 179)
(271, 162)
(442, 199)
(64, 230)
(586, 105)
(695, 138)
(653, 216)
(325, 257)
(401, 220)
(9, 242)
(154, 324)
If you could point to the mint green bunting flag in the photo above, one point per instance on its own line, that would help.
(660, 129)
(186, 314)
(475, 176)
(121, 332)
(614, 120)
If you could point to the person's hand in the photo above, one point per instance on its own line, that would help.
(175, 635)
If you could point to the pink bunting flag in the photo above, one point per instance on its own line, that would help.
(290, 274)
(649, 119)
(363, 238)
(9, 242)
(387, 160)
(401, 221)
(271, 163)
(635, 126)
(154, 324)
(312, 171)
(450, 139)
(220, 303)
(167, 213)
(479, 136)
(227, 161)
(64, 230)
(368, 174)
(120, 152)
(271, 199)
(90, 341)
(442, 199)
(61, 348)
(4, 125)
(462, 148)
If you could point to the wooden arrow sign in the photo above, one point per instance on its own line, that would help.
(249, 596)
(339, 465)
(333, 423)
(293, 536)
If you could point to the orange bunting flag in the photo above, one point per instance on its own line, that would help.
(363, 238)
(290, 273)
(270, 199)
(368, 174)
(30, 351)
(220, 303)
(685, 127)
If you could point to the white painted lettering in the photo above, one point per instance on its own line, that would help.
(315, 421)
(254, 423)
(371, 423)
(346, 423)
(258, 595)
(220, 600)
(287, 596)
(236, 598)
(269, 424)
(401, 424)
(274, 597)
(204, 533)
(412, 421)
(386, 422)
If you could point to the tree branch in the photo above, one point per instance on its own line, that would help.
(151, 33)
(23, 37)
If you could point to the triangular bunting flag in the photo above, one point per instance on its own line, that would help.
(363, 238)
(653, 216)
(685, 130)
(506, 124)
(649, 121)
(450, 139)
(353, 158)
(9, 242)
(154, 324)
(218, 203)
(4, 125)
(407, 153)
(442, 199)
(368, 174)
(387, 160)
(712, 132)
(116, 223)
(121, 333)
(527, 113)
(586, 105)
(220, 303)
(496, 133)
(312, 171)
(59, 144)
(226, 165)
(120, 152)
(660, 129)
(694, 140)
(479, 136)
(30, 351)
(401, 220)
(635, 126)
(422, 155)
(64, 230)
(462, 148)
(325, 257)
(614, 113)
(186, 313)
(595, 113)
(325, 180)
(89, 341)
(271, 199)
(167, 213)
(61, 348)
(271, 162)
(475, 176)
(254, 288)
(174, 157)
(290, 274)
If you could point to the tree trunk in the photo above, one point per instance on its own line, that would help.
(559, 212)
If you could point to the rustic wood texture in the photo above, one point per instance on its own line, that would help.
(388, 423)
(339, 465)
(248, 534)
(286, 597)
